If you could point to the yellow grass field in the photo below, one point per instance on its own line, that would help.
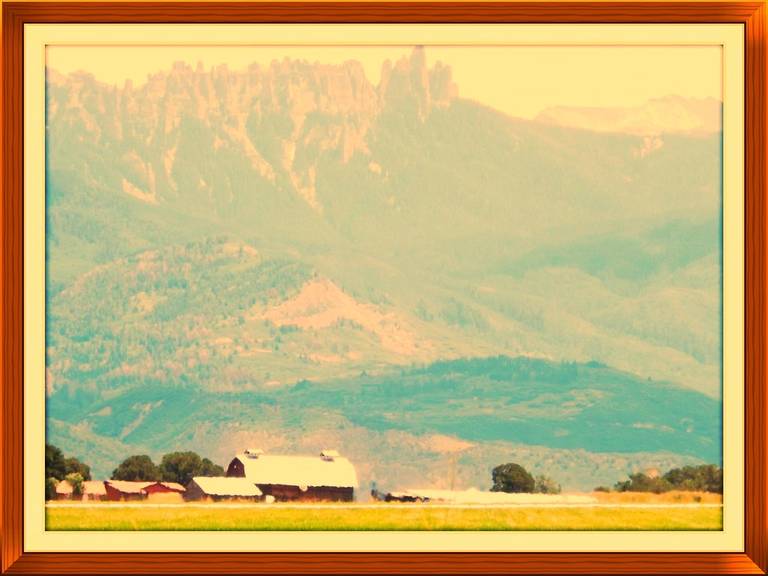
(381, 517)
(673, 497)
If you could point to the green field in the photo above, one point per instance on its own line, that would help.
(386, 517)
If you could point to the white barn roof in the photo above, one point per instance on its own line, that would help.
(299, 471)
(172, 486)
(95, 487)
(64, 487)
(223, 486)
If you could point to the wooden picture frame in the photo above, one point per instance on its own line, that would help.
(754, 559)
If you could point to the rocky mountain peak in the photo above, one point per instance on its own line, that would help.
(410, 81)
(281, 117)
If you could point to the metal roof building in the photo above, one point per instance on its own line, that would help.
(94, 490)
(222, 488)
(327, 476)
(126, 490)
(64, 490)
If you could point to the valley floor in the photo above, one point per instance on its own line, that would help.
(140, 516)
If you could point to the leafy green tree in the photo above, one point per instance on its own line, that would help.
(640, 482)
(55, 466)
(704, 478)
(50, 488)
(75, 479)
(138, 468)
(181, 467)
(208, 468)
(512, 477)
(73, 466)
(545, 485)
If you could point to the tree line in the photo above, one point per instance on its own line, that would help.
(514, 478)
(179, 467)
(58, 468)
(703, 478)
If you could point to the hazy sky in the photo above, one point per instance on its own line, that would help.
(518, 80)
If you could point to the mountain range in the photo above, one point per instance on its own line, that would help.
(292, 257)
(670, 115)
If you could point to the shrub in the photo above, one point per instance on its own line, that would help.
(545, 485)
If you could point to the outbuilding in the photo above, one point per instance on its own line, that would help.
(126, 490)
(64, 490)
(164, 488)
(94, 490)
(325, 477)
(221, 488)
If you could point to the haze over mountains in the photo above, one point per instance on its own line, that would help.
(668, 115)
(293, 258)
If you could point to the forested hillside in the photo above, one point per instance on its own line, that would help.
(292, 256)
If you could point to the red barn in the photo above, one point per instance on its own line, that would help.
(124, 490)
(327, 476)
(164, 488)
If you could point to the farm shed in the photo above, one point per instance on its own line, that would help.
(125, 490)
(94, 490)
(163, 488)
(64, 490)
(327, 476)
(221, 488)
